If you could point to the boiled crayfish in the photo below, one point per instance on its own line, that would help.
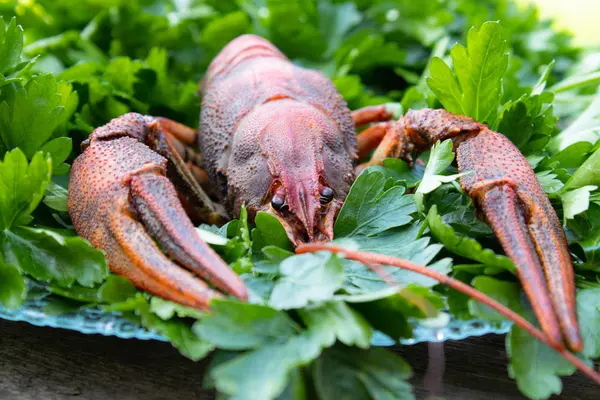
(281, 139)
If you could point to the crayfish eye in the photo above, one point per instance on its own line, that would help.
(277, 202)
(326, 195)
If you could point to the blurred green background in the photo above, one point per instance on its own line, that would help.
(578, 16)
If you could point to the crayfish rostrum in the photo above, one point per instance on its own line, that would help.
(281, 139)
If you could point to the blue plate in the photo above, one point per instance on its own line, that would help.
(95, 321)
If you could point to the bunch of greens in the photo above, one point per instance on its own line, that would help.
(311, 317)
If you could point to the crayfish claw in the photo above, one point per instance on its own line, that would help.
(122, 199)
(549, 237)
(508, 196)
(513, 202)
(501, 209)
(155, 200)
(132, 253)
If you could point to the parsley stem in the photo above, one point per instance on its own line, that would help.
(372, 259)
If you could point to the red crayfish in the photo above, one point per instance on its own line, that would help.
(281, 139)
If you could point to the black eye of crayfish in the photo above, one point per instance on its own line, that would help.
(277, 202)
(326, 195)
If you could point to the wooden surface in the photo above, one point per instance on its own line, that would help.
(46, 363)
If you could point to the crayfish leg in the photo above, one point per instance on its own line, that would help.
(181, 132)
(370, 114)
(369, 139)
(388, 139)
(164, 136)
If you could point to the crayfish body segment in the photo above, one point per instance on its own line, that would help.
(280, 139)
(270, 130)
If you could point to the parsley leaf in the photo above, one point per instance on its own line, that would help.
(376, 216)
(440, 158)
(370, 209)
(362, 374)
(464, 246)
(528, 120)
(54, 256)
(29, 115)
(389, 309)
(588, 312)
(239, 326)
(575, 194)
(269, 232)
(163, 308)
(58, 149)
(115, 289)
(587, 174)
(178, 331)
(475, 87)
(586, 128)
(576, 201)
(56, 197)
(13, 288)
(239, 377)
(23, 185)
(549, 181)
(11, 45)
(536, 367)
(506, 293)
(336, 320)
(307, 278)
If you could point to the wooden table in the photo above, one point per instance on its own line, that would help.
(46, 363)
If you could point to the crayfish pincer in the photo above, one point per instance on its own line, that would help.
(281, 139)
